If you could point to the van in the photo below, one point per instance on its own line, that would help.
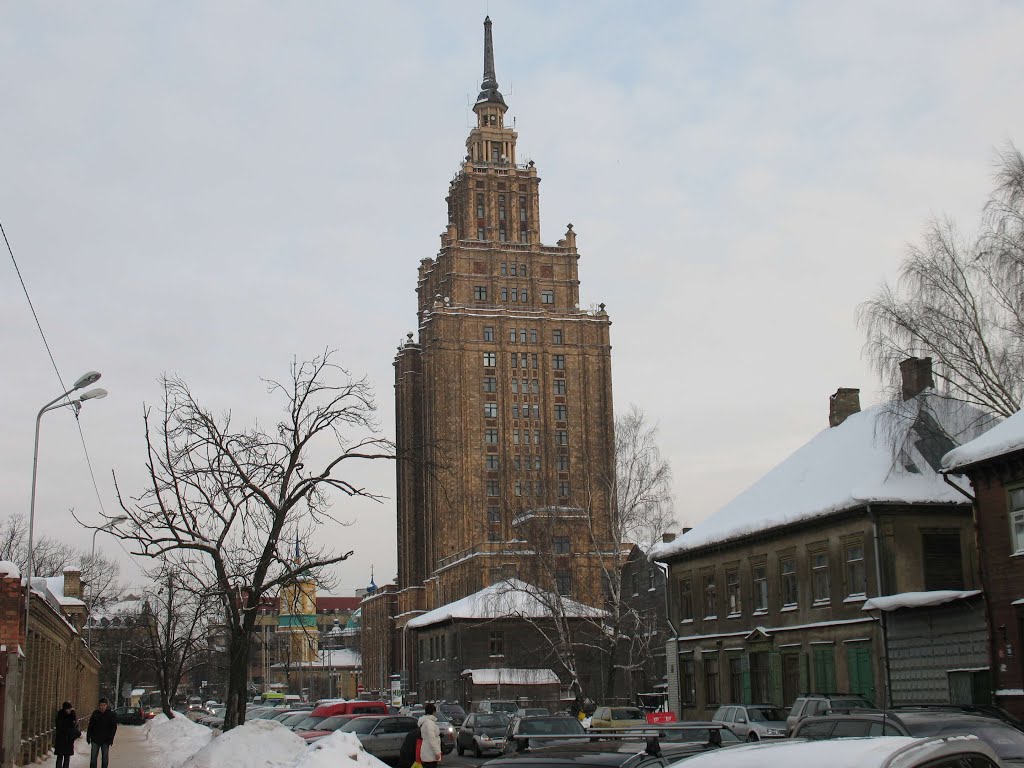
(350, 708)
(492, 707)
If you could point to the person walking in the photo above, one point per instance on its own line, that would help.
(65, 735)
(100, 733)
(430, 752)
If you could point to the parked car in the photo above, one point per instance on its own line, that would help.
(351, 708)
(446, 730)
(453, 712)
(522, 731)
(985, 710)
(533, 712)
(309, 722)
(753, 722)
(325, 727)
(879, 752)
(293, 718)
(820, 703)
(482, 732)
(381, 735)
(616, 718)
(496, 705)
(130, 715)
(1004, 739)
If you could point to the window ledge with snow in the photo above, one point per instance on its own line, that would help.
(734, 616)
(710, 618)
(859, 598)
(760, 612)
(788, 608)
(686, 621)
(821, 603)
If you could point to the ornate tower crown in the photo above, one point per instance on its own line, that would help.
(489, 93)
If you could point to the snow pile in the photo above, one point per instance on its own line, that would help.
(257, 744)
(9, 569)
(339, 750)
(1005, 437)
(917, 599)
(502, 599)
(174, 741)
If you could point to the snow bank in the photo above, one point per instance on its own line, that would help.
(9, 569)
(175, 741)
(1005, 437)
(339, 750)
(257, 744)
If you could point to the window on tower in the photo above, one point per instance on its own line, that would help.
(561, 437)
(515, 386)
(513, 270)
(493, 515)
(490, 359)
(536, 386)
(479, 205)
(504, 269)
(501, 208)
(495, 151)
(525, 296)
(488, 333)
(490, 384)
(522, 270)
(558, 362)
(480, 292)
(492, 487)
(561, 545)
(559, 386)
(563, 489)
(515, 360)
(504, 293)
(560, 412)
(480, 233)
(562, 464)
(492, 461)
(515, 411)
(515, 294)
(491, 410)
(547, 297)
(556, 336)
(522, 336)
(533, 335)
(491, 436)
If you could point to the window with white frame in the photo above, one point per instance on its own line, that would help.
(856, 575)
(1017, 520)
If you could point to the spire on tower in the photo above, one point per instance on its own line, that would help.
(489, 87)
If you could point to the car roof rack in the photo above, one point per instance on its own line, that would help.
(651, 734)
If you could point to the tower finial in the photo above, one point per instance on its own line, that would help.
(490, 80)
(489, 87)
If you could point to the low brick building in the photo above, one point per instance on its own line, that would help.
(51, 665)
(995, 465)
(767, 596)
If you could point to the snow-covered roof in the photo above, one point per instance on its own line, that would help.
(917, 599)
(511, 676)
(338, 657)
(1005, 437)
(9, 569)
(845, 467)
(503, 599)
(55, 586)
(130, 607)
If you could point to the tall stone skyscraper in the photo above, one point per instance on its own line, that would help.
(504, 400)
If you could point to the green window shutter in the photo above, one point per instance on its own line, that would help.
(775, 677)
(805, 674)
(745, 668)
(824, 670)
(858, 662)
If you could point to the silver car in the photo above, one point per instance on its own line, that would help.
(753, 722)
(381, 735)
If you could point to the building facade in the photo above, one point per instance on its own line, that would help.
(995, 465)
(505, 429)
(776, 593)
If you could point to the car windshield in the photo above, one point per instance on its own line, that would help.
(492, 721)
(454, 710)
(309, 723)
(294, 718)
(550, 726)
(504, 706)
(626, 713)
(1006, 740)
(333, 723)
(359, 725)
(765, 714)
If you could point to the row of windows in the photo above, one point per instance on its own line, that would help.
(490, 360)
(520, 335)
(518, 295)
(529, 488)
(516, 270)
(526, 463)
(525, 386)
(525, 411)
(855, 583)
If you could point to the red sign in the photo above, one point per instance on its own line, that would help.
(661, 717)
(359, 688)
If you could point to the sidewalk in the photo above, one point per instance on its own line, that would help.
(129, 751)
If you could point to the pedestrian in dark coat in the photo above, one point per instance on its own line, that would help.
(65, 734)
(100, 733)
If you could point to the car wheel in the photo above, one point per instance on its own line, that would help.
(460, 749)
(752, 737)
(476, 749)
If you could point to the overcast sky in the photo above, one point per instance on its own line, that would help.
(208, 188)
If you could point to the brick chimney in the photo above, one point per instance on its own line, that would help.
(843, 404)
(73, 583)
(11, 603)
(917, 376)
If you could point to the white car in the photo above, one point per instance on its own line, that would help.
(877, 752)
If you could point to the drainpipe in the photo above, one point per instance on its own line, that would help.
(882, 615)
(664, 568)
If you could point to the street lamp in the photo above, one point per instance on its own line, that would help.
(115, 521)
(93, 394)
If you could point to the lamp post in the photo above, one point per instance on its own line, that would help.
(93, 394)
(92, 564)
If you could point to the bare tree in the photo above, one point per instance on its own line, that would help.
(175, 624)
(100, 574)
(226, 501)
(960, 299)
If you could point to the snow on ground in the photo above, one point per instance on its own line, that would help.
(172, 742)
(256, 744)
(339, 750)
